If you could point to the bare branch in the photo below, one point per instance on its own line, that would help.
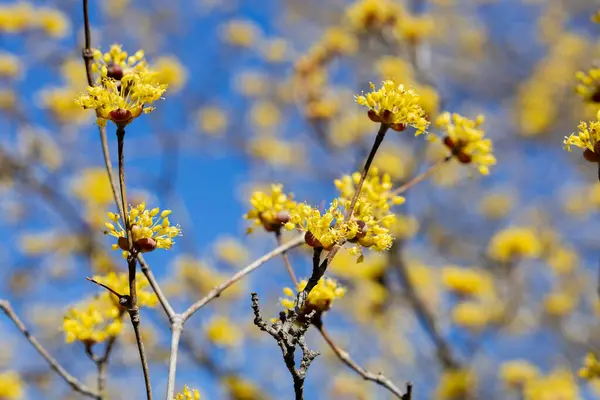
(155, 286)
(54, 365)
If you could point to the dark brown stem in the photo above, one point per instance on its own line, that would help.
(286, 259)
(120, 146)
(87, 51)
(104, 286)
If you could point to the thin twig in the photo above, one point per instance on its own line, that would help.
(297, 241)
(162, 299)
(422, 176)
(286, 259)
(176, 329)
(104, 286)
(54, 365)
(367, 375)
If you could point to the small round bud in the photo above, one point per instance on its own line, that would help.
(115, 71)
(145, 245)
(312, 240)
(448, 142)
(373, 116)
(386, 116)
(463, 158)
(123, 243)
(595, 98)
(590, 156)
(362, 229)
(121, 115)
(283, 217)
(398, 127)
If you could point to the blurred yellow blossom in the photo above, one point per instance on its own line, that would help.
(8, 99)
(373, 14)
(591, 367)
(240, 32)
(59, 102)
(513, 243)
(198, 278)
(10, 66)
(188, 394)
(395, 69)
(222, 331)
(94, 320)
(276, 151)
(456, 384)
(558, 384)
(53, 22)
(496, 205)
(265, 114)
(320, 298)
(275, 50)
(414, 28)
(242, 389)
(170, 71)
(471, 315)
(251, 83)
(589, 84)
(560, 303)
(92, 185)
(151, 229)
(396, 161)
(467, 281)
(12, 386)
(562, 260)
(396, 106)
(340, 41)
(231, 251)
(212, 120)
(465, 139)
(516, 373)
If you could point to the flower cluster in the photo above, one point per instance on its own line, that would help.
(586, 138)
(12, 386)
(465, 139)
(125, 87)
(320, 298)
(516, 373)
(221, 331)
(100, 318)
(591, 367)
(188, 394)
(558, 384)
(323, 230)
(151, 229)
(589, 85)
(271, 210)
(373, 14)
(396, 106)
(512, 243)
(467, 282)
(22, 16)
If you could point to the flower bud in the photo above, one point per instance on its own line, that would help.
(398, 127)
(115, 71)
(283, 217)
(590, 156)
(121, 115)
(312, 240)
(373, 116)
(123, 243)
(145, 245)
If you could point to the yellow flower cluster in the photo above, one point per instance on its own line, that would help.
(513, 243)
(516, 373)
(223, 332)
(471, 315)
(373, 14)
(93, 321)
(395, 106)
(591, 367)
(170, 72)
(239, 388)
(100, 317)
(271, 210)
(240, 32)
(198, 278)
(20, 17)
(11, 386)
(586, 138)
(151, 229)
(465, 139)
(125, 87)
(559, 384)
(188, 394)
(10, 65)
(596, 17)
(467, 282)
(456, 384)
(320, 298)
(589, 85)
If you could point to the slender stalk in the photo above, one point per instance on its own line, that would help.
(176, 329)
(101, 380)
(52, 362)
(239, 275)
(422, 176)
(286, 259)
(87, 51)
(104, 286)
(344, 357)
(157, 290)
(120, 146)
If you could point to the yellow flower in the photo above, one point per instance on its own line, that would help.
(414, 28)
(222, 331)
(373, 14)
(560, 304)
(591, 367)
(241, 33)
(92, 185)
(120, 284)
(471, 315)
(559, 384)
(514, 243)
(586, 138)
(264, 114)
(496, 205)
(10, 65)
(466, 140)
(171, 72)
(396, 106)
(212, 120)
(320, 298)
(278, 152)
(151, 229)
(12, 386)
(589, 85)
(517, 373)
(395, 68)
(53, 22)
(339, 41)
(231, 251)
(125, 87)
(8, 99)
(596, 17)
(271, 210)
(563, 260)
(469, 282)
(188, 394)
(242, 389)
(275, 50)
(326, 230)
(93, 321)
(59, 102)
(199, 278)
(456, 384)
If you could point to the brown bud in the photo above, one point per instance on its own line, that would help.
(449, 142)
(312, 240)
(386, 116)
(115, 71)
(145, 245)
(123, 243)
(362, 229)
(121, 115)
(398, 127)
(590, 155)
(595, 98)
(283, 217)
(463, 158)
(373, 116)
